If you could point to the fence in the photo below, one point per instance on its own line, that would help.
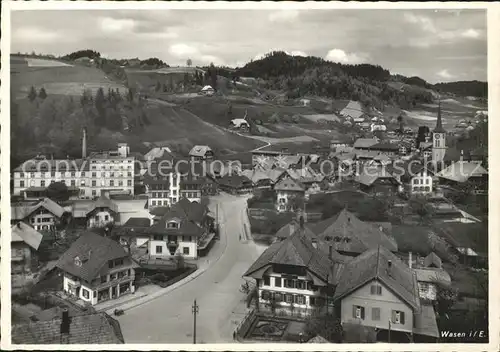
(244, 326)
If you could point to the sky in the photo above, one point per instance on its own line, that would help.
(436, 45)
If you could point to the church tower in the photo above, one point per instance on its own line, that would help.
(438, 139)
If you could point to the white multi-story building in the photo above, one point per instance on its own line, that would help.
(103, 171)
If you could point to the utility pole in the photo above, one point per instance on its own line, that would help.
(195, 310)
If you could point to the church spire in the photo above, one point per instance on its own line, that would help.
(439, 123)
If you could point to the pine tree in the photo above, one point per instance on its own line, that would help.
(32, 94)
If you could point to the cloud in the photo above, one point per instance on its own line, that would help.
(35, 34)
(424, 22)
(471, 33)
(283, 16)
(339, 55)
(109, 24)
(445, 74)
(181, 49)
(298, 53)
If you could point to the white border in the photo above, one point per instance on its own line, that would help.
(494, 109)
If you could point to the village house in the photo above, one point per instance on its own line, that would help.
(379, 291)
(240, 124)
(417, 175)
(105, 211)
(378, 181)
(350, 236)
(289, 192)
(24, 244)
(96, 269)
(208, 91)
(465, 174)
(44, 215)
(430, 276)
(235, 184)
(293, 274)
(365, 143)
(201, 152)
(95, 328)
(177, 232)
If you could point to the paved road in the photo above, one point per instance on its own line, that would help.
(168, 319)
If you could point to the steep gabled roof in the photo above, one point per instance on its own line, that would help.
(22, 232)
(352, 234)
(461, 171)
(94, 252)
(289, 184)
(371, 174)
(200, 150)
(374, 265)
(21, 212)
(296, 250)
(433, 259)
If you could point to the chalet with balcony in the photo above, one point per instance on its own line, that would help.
(201, 152)
(235, 184)
(96, 269)
(378, 181)
(465, 174)
(378, 291)
(43, 215)
(294, 274)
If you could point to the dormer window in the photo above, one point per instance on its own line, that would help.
(173, 225)
(78, 261)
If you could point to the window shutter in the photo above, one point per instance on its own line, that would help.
(372, 289)
(379, 290)
(393, 316)
(362, 312)
(354, 312)
(402, 317)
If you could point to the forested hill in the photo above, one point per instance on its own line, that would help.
(465, 88)
(370, 84)
(299, 76)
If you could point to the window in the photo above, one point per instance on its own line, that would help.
(153, 202)
(94, 174)
(21, 175)
(94, 192)
(118, 262)
(111, 183)
(158, 237)
(185, 250)
(358, 312)
(21, 183)
(312, 300)
(106, 217)
(94, 183)
(301, 299)
(113, 276)
(267, 280)
(427, 188)
(73, 182)
(423, 287)
(300, 285)
(288, 298)
(111, 264)
(278, 297)
(376, 290)
(85, 293)
(416, 181)
(129, 183)
(398, 317)
(120, 183)
(159, 249)
(104, 279)
(375, 313)
(95, 294)
(265, 295)
(172, 225)
(42, 183)
(277, 281)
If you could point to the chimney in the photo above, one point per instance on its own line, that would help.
(330, 252)
(65, 322)
(84, 143)
(410, 260)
